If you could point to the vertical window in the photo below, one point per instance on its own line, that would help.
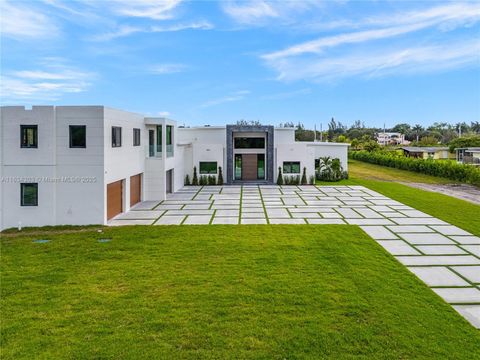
(238, 166)
(169, 140)
(28, 136)
(169, 135)
(116, 136)
(136, 137)
(78, 136)
(291, 167)
(260, 166)
(159, 138)
(29, 194)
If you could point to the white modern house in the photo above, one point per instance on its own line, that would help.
(81, 165)
(391, 138)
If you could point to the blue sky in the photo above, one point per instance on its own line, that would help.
(206, 62)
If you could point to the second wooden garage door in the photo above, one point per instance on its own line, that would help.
(135, 189)
(114, 199)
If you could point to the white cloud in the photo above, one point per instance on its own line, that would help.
(126, 30)
(152, 9)
(49, 83)
(19, 21)
(236, 96)
(163, 113)
(248, 12)
(162, 69)
(408, 60)
(313, 60)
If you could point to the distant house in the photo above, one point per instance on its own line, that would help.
(435, 153)
(391, 138)
(469, 156)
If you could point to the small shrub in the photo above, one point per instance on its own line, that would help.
(187, 180)
(203, 180)
(195, 178)
(304, 176)
(312, 180)
(212, 180)
(280, 176)
(220, 176)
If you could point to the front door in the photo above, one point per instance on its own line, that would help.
(249, 167)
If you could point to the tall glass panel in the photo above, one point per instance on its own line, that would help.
(238, 167)
(169, 140)
(159, 139)
(261, 166)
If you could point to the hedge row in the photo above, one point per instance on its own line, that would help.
(447, 169)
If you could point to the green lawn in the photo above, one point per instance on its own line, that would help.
(221, 292)
(452, 210)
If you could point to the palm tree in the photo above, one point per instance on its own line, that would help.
(417, 129)
(475, 126)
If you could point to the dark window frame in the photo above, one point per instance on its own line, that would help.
(70, 127)
(208, 172)
(116, 137)
(24, 145)
(136, 137)
(287, 167)
(22, 194)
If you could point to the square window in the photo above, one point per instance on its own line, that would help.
(29, 136)
(136, 137)
(208, 167)
(78, 136)
(291, 167)
(116, 136)
(29, 194)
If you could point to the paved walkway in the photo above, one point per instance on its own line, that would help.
(445, 257)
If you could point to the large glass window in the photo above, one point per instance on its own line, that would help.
(29, 194)
(261, 166)
(116, 136)
(78, 136)
(238, 167)
(291, 167)
(136, 137)
(159, 138)
(169, 140)
(249, 143)
(28, 136)
(208, 167)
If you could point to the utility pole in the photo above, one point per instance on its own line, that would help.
(315, 133)
(321, 133)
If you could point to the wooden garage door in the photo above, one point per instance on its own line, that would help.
(135, 189)
(114, 199)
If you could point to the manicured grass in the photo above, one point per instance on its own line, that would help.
(221, 292)
(452, 210)
(363, 170)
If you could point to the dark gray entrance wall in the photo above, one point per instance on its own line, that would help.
(268, 129)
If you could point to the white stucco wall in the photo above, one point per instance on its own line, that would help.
(334, 150)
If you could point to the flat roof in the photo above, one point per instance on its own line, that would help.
(424, 149)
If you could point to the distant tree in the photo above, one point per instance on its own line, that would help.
(463, 142)
(417, 129)
(475, 126)
(401, 128)
(428, 140)
(243, 122)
